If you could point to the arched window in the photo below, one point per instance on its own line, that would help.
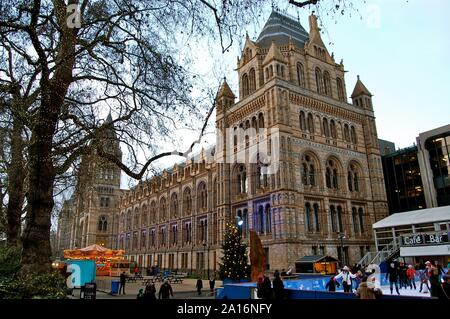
(136, 219)
(308, 219)
(122, 222)
(245, 85)
(174, 206)
(301, 75)
(252, 81)
(353, 178)
(261, 120)
(339, 218)
(327, 83)
(243, 214)
(241, 179)
(129, 220)
(316, 217)
(302, 119)
(270, 70)
(202, 197)
(267, 74)
(319, 82)
(326, 128)
(308, 171)
(144, 215)
(332, 175)
(310, 123)
(254, 122)
(268, 219)
(355, 220)
(336, 218)
(153, 212)
(340, 89)
(353, 134)
(346, 133)
(215, 190)
(162, 209)
(260, 221)
(333, 129)
(187, 201)
(102, 223)
(361, 219)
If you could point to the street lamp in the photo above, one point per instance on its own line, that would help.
(341, 238)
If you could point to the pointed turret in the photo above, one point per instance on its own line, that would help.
(225, 96)
(361, 96)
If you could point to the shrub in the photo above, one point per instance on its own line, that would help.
(9, 261)
(50, 285)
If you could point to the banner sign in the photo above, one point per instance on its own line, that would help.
(425, 239)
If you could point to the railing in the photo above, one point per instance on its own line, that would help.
(380, 256)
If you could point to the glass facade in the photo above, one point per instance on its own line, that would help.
(439, 151)
(403, 182)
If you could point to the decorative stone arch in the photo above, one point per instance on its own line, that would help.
(187, 201)
(144, 215)
(153, 212)
(311, 176)
(174, 207)
(202, 196)
(355, 183)
(162, 209)
(334, 171)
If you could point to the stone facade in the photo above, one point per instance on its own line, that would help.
(326, 193)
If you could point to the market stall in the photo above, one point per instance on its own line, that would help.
(316, 264)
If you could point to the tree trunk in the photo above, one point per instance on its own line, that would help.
(15, 189)
(36, 251)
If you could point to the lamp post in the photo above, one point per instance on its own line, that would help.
(341, 238)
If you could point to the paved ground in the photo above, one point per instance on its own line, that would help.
(185, 290)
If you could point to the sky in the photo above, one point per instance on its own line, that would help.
(399, 48)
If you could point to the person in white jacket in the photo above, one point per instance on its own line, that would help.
(347, 277)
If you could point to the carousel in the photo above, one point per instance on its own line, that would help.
(109, 262)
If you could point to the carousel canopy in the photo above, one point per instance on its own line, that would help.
(93, 252)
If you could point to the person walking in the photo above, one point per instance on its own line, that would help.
(411, 274)
(199, 286)
(212, 284)
(268, 291)
(165, 291)
(346, 276)
(278, 286)
(150, 292)
(123, 279)
(393, 275)
(332, 284)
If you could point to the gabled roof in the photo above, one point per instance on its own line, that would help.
(280, 28)
(274, 54)
(360, 89)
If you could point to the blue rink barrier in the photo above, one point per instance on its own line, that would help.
(303, 288)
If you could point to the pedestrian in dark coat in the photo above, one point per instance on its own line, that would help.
(150, 292)
(123, 279)
(393, 274)
(445, 288)
(212, 284)
(268, 291)
(434, 281)
(199, 286)
(165, 291)
(278, 286)
(332, 284)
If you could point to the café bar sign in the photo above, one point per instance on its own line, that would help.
(425, 239)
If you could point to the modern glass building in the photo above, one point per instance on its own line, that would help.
(402, 177)
(434, 153)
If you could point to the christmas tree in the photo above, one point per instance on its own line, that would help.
(234, 263)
